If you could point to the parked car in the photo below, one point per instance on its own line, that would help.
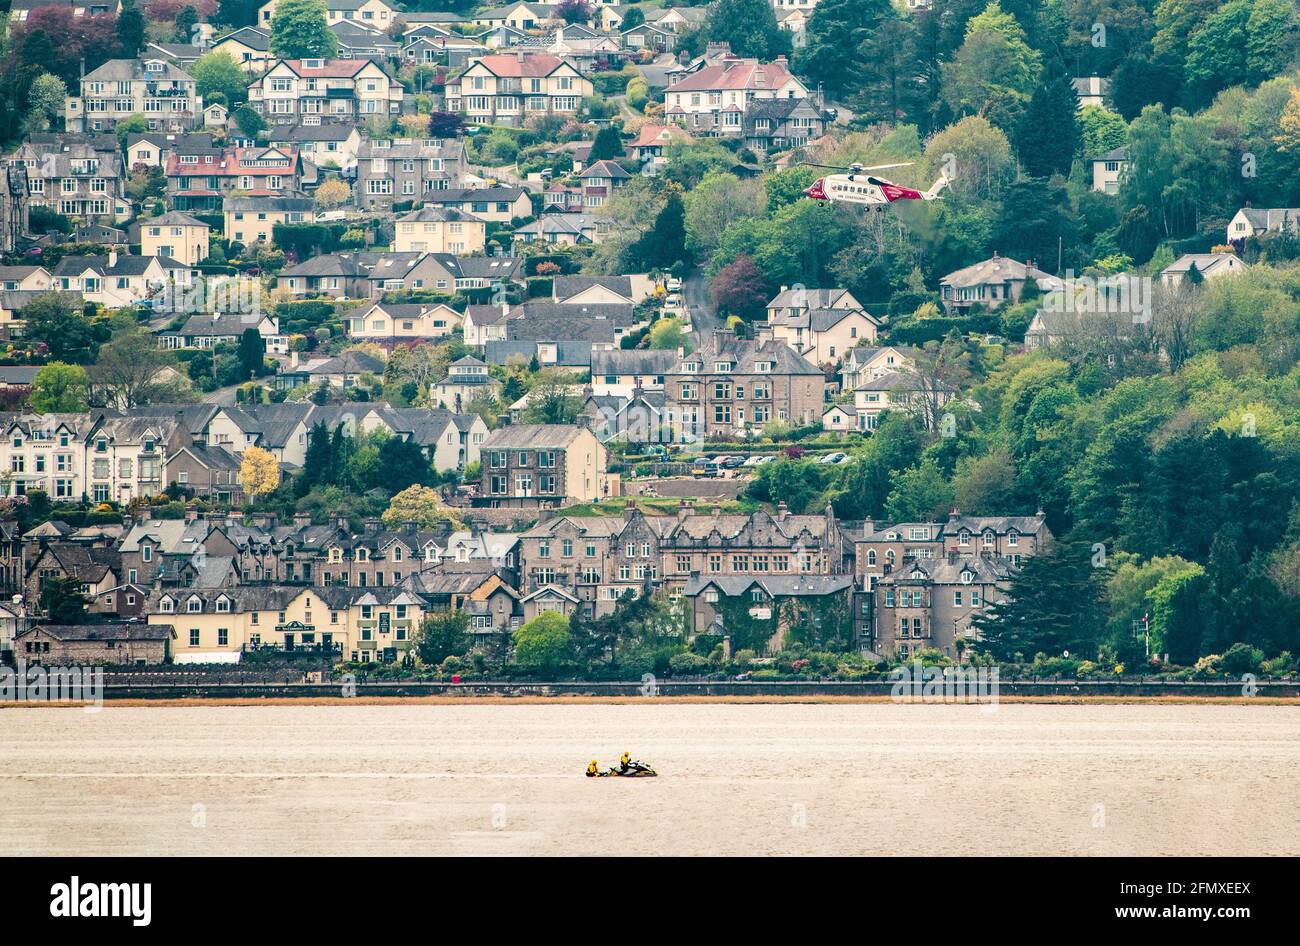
(705, 466)
(731, 462)
(674, 284)
(833, 458)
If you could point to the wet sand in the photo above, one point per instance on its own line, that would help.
(505, 777)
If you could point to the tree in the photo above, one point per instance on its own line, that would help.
(713, 205)
(1048, 134)
(128, 372)
(443, 635)
(59, 388)
(420, 506)
(403, 464)
(831, 38)
(994, 71)
(252, 353)
(607, 144)
(1180, 621)
(1101, 130)
(300, 30)
(921, 494)
(318, 462)
(544, 644)
(130, 30)
(55, 319)
(552, 400)
(217, 72)
(740, 289)
(259, 473)
(748, 26)
(187, 18)
(1271, 37)
(250, 123)
(1055, 605)
(237, 13)
(632, 18)
(573, 11)
(668, 333)
(1216, 54)
(665, 245)
(62, 601)
(445, 125)
(45, 101)
(333, 192)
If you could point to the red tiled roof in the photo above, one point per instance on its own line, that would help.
(228, 164)
(528, 66)
(649, 135)
(735, 74)
(330, 69)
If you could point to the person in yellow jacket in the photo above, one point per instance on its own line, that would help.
(593, 769)
(623, 762)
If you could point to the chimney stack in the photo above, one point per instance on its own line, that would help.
(782, 510)
(684, 509)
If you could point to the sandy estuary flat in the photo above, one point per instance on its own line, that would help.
(734, 779)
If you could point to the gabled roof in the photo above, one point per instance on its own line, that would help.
(999, 269)
(736, 74)
(532, 437)
(522, 66)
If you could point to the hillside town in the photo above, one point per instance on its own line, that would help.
(583, 338)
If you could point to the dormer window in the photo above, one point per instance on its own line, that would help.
(194, 605)
(722, 366)
(963, 537)
(166, 605)
(363, 555)
(967, 576)
(988, 540)
(223, 605)
(1013, 537)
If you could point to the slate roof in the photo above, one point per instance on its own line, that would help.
(624, 361)
(531, 437)
(104, 632)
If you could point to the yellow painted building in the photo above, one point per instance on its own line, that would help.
(440, 230)
(358, 624)
(176, 235)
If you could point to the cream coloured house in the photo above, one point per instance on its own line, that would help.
(295, 91)
(440, 230)
(509, 88)
(253, 219)
(176, 235)
(391, 324)
(714, 99)
(249, 46)
(823, 325)
(357, 624)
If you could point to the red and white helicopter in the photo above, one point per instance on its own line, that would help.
(859, 186)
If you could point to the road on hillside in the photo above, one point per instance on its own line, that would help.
(695, 293)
